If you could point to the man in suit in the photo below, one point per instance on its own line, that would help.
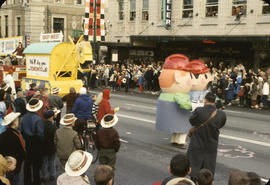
(202, 151)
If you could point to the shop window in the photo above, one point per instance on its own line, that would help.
(132, 10)
(265, 9)
(58, 25)
(145, 13)
(239, 9)
(121, 9)
(18, 26)
(6, 26)
(188, 8)
(211, 8)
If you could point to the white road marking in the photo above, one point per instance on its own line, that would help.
(136, 118)
(146, 107)
(124, 141)
(245, 140)
(221, 135)
(128, 133)
(264, 180)
(232, 111)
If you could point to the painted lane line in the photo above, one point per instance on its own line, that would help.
(221, 135)
(264, 180)
(116, 95)
(245, 140)
(136, 118)
(232, 111)
(123, 141)
(142, 106)
(154, 108)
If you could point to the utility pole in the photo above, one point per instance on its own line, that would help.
(95, 35)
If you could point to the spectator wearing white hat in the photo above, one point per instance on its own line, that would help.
(77, 164)
(66, 139)
(48, 170)
(108, 141)
(14, 147)
(32, 129)
(55, 101)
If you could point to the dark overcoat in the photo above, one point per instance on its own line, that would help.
(10, 145)
(202, 150)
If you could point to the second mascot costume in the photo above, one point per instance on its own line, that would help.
(174, 106)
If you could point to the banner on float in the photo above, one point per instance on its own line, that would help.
(8, 45)
(38, 66)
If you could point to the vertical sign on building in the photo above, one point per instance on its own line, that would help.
(89, 20)
(167, 13)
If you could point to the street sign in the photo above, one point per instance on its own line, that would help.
(167, 13)
(51, 37)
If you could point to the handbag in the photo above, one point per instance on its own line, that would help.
(193, 129)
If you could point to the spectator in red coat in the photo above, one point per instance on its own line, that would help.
(105, 106)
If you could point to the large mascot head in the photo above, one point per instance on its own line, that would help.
(175, 76)
(200, 75)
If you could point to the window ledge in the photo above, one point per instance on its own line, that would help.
(209, 24)
(131, 21)
(236, 23)
(182, 25)
(265, 22)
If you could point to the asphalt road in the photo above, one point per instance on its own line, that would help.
(145, 153)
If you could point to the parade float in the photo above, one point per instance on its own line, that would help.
(8, 46)
(55, 64)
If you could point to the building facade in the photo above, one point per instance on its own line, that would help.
(33, 17)
(232, 30)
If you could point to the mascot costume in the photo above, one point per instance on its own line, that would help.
(174, 106)
(200, 79)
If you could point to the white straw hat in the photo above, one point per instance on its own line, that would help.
(83, 90)
(56, 90)
(68, 119)
(78, 163)
(10, 118)
(34, 105)
(109, 120)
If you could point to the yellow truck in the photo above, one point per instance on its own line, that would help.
(56, 64)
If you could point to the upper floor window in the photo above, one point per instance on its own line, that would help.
(265, 8)
(132, 10)
(145, 13)
(121, 9)
(6, 25)
(58, 25)
(18, 26)
(187, 9)
(239, 9)
(79, 2)
(211, 8)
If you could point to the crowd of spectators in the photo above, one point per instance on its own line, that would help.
(232, 85)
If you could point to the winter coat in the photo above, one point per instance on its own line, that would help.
(104, 106)
(55, 102)
(83, 107)
(230, 92)
(49, 133)
(11, 145)
(66, 141)
(254, 91)
(20, 106)
(202, 150)
(70, 99)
